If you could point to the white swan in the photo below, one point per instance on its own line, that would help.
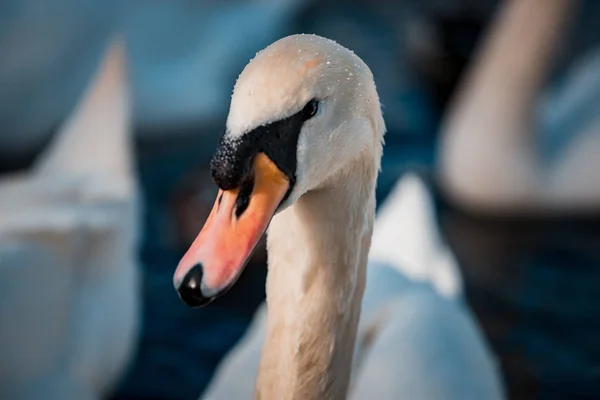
(303, 143)
(68, 276)
(304, 138)
(491, 158)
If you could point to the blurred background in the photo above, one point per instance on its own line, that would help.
(533, 284)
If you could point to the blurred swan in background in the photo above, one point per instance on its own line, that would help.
(519, 156)
(416, 338)
(494, 156)
(68, 275)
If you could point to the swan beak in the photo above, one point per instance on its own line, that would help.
(236, 223)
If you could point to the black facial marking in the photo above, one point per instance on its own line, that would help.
(232, 162)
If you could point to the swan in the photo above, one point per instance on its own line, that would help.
(491, 158)
(68, 231)
(514, 151)
(300, 157)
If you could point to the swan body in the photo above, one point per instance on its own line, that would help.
(419, 339)
(68, 276)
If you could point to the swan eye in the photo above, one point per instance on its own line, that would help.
(310, 109)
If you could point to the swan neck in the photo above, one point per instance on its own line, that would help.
(517, 53)
(488, 130)
(317, 257)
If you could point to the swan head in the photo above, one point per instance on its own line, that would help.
(303, 111)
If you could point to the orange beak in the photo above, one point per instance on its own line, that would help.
(219, 253)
